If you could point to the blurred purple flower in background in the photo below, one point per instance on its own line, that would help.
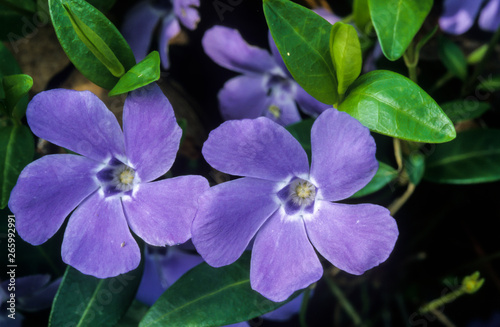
(142, 20)
(32, 293)
(110, 185)
(163, 266)
(266, 88)
(287, 205)
(459, 15)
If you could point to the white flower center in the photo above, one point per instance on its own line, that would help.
(302, 192)
(123, 178)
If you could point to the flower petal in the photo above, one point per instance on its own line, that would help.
(138, 27)
(47, 191)
(257, 148)
(243, 97)
(169, 29)
(459, 15)
(226, 47)
(286, 311)
(229, 215)
(187, 12)
(76, 120)
(162, 212)
(309, 104)
(281, 108)
(97, 240)
(283, 259)
(343, 155)
(152, 135)
(354, 238)
(277, 56)
(489, 19)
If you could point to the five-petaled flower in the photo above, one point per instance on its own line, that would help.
(266, 88)
(287, 206)
(110, 184)
(142, 19)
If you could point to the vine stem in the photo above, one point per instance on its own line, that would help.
(303, 308)
(398, 203)
(344, 302)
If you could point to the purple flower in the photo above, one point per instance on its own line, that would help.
(163, 266)
(266, 88)
(110, 184)
(142, 19)
(459, 15)
(287, 206)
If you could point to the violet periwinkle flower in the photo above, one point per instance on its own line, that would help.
(110, 184)
(163, 266)
(142, 20)
(287, 206)
(459, 15)
(266, 88)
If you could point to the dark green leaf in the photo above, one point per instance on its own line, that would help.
(384, 175)
(396, 23)
(12, 24)
(453, 58)
(16, 151)
(391, 104)
(415, 167)
(16, 89)
(303, 38)
(84, 300)
(144, 73)
(361, 14)
(491, 84)
(207, 296)
(134, 315)
(103, 32)
(472, 158)
(302, 133)
(461, 110)
(102, 5)
(8, 64)
(345, 51)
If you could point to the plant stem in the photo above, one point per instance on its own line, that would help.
(398, 203)
(344, 302)
(303, 308)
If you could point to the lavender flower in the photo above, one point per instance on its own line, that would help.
(459, 15)
(142, 20)
(163, 266)
(266, 88)
(287, 205)
(110, 185)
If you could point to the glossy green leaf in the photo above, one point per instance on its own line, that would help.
(207, 296)
(84, 300)
(345, 51)
(396, 23)
(415, 167)
(453, 58)
(8, 64)
(144, 73)
(472, 158)
(302, 133)
(303, 38)
(391, 104)
(361, 14)
(16, 89)
(461, 110)
(103, 32)
(384, 175)
(17, 148)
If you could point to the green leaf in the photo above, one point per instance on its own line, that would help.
(453, 58)
(91, 41)
(415, 167)
(345, 51)
(16, 89)
(391, 104)
(491, 84)
(102, 5)
(303, 38)
(207, 296)
(384, 175)
(361, 14)
(302, 133)
(84, 300)
(461, 110)
(397, 22)
(12, 24)
(472, 158)
(477, 55)
(144, 73)
(17, 148)
(8, 64)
